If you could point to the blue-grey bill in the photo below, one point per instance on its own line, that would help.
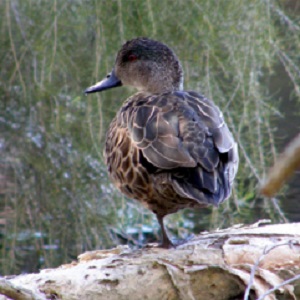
(109, 82)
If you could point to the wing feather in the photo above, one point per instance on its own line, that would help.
(186, 131)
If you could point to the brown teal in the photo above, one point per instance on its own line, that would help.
(168, 148)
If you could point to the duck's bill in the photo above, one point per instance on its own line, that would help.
(109, 82)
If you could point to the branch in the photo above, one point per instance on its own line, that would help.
(287, 164)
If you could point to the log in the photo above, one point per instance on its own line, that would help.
(260, 261)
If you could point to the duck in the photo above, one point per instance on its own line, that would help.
(167, 148)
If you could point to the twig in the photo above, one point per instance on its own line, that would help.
(55, 40)
(278, 209)
(254, 267)
(13, 49)
(279, 286)
(242, 148)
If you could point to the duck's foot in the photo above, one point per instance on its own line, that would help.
(167, 244)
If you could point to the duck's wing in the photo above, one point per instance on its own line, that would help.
(155, 124)
(179, 129)
(184, 130)
(218, 140)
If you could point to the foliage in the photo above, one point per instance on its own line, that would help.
(55, 195)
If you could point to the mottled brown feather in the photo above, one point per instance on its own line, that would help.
(185, 142)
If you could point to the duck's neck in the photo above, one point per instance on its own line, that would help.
(162, 85)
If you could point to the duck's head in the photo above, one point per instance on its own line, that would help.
(145, 64)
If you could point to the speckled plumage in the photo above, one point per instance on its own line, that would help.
(167, 148)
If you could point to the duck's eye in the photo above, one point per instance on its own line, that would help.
(132, 57)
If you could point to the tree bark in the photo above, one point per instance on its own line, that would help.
(242, 262)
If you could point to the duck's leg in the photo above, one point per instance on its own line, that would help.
(166, 243)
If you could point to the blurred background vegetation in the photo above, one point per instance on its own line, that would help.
(55, 198)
